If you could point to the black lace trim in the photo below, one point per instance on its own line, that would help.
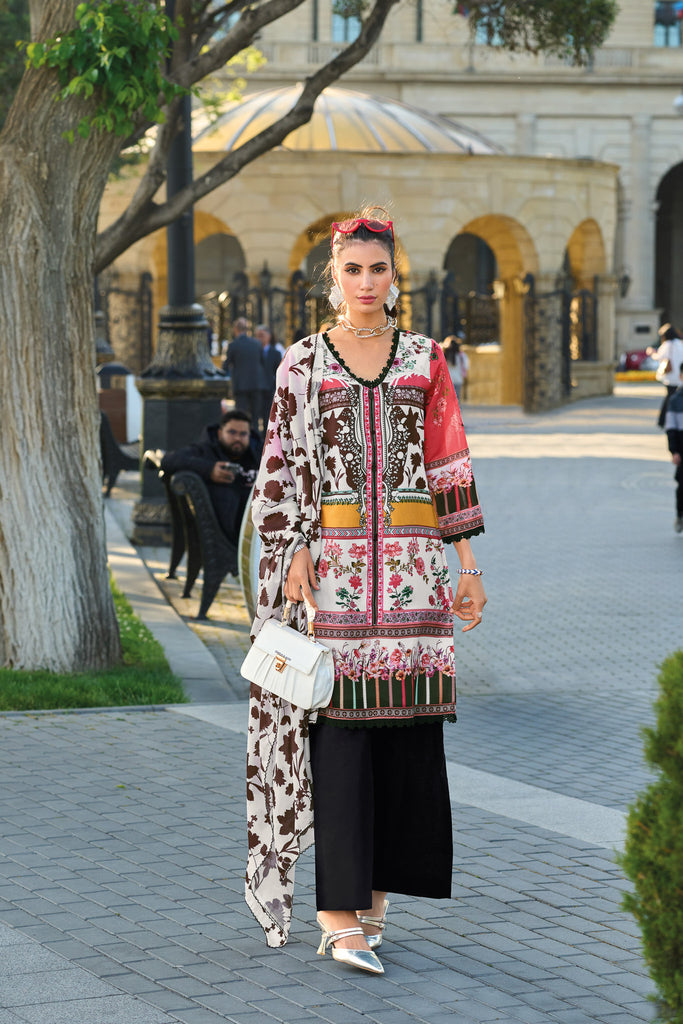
(383, 372)
(465, 535)
(399, 723)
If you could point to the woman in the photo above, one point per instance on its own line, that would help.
(364, 475)
(458, 363)
(669, 355)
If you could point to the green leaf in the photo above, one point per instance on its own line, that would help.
(116, 55)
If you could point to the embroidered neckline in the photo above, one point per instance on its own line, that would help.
(382, 373)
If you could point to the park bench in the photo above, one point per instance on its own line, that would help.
(194, 531)
(114, 456)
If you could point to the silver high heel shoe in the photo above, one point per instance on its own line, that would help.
(364, 959)
(375, 941)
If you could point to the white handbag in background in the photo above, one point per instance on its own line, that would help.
(291, 664)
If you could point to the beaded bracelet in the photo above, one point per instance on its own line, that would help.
(470, 572)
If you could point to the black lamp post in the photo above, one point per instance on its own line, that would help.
(431, 294)
(181, 388)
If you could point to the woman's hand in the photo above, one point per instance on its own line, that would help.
(301, 580)
(469, 601)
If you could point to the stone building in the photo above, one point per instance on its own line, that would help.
(619, 110)
(543, 195)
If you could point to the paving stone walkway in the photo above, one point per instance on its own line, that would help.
(122, 833)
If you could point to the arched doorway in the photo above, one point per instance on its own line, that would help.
(669, 246)
(219, 272)
(218, 258)
(584, 261)
(472, 269)
(472, 262)
(497, 374)
(585, 254)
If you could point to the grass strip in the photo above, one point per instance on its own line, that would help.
(143, 677)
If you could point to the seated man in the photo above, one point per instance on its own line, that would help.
(227, 459)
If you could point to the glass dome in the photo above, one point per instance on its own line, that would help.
(342, 120)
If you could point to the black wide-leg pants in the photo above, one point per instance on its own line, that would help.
(382, 813)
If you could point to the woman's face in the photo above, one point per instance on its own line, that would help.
(364, 274)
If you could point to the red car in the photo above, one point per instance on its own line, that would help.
(637, 360)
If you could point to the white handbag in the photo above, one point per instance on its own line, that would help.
(290, 664)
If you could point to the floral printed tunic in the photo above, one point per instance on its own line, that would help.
(396, 483)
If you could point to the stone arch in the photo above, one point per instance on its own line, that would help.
(206, 226)
(510, 241)
(669, 246)
(218, 258)
(585, 254)
(497, 371)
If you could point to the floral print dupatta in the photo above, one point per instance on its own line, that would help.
(285, 510)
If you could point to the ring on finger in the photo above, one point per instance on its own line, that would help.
(478, 615)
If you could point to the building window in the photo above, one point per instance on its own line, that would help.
(315, 27)
(345, 27)
(418, 21)
(668, 20)
(481, 36)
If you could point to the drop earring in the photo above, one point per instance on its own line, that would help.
(336, 297)
(392, 295)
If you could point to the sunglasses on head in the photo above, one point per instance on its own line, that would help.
(349, 227)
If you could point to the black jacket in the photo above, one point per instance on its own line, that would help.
(244, 362)
(202, 456)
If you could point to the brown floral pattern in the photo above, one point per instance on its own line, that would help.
(286, 512)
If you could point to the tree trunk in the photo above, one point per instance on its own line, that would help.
(56, 610)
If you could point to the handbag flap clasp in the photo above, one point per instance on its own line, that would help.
(280, 663)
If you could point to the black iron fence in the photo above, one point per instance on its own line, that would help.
(560, 326)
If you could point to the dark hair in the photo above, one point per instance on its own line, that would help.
(235, 414)
(680, 368)
(668, 332)
(364, 234)
(450, 347)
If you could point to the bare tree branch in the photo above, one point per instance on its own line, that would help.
(240, 36)
(150, 216)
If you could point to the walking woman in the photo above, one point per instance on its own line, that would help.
(365, 475)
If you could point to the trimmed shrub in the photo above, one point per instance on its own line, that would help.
(653, 856)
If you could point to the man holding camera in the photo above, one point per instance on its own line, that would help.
(227, 459)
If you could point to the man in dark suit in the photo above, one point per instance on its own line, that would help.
(272, 357)
(244, 363)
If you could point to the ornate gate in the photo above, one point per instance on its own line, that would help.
(559, 327)
(127, 319)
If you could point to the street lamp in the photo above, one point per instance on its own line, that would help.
(181, 388)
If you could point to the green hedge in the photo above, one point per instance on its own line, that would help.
(653, 857)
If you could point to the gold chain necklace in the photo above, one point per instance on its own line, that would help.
(367, 332)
